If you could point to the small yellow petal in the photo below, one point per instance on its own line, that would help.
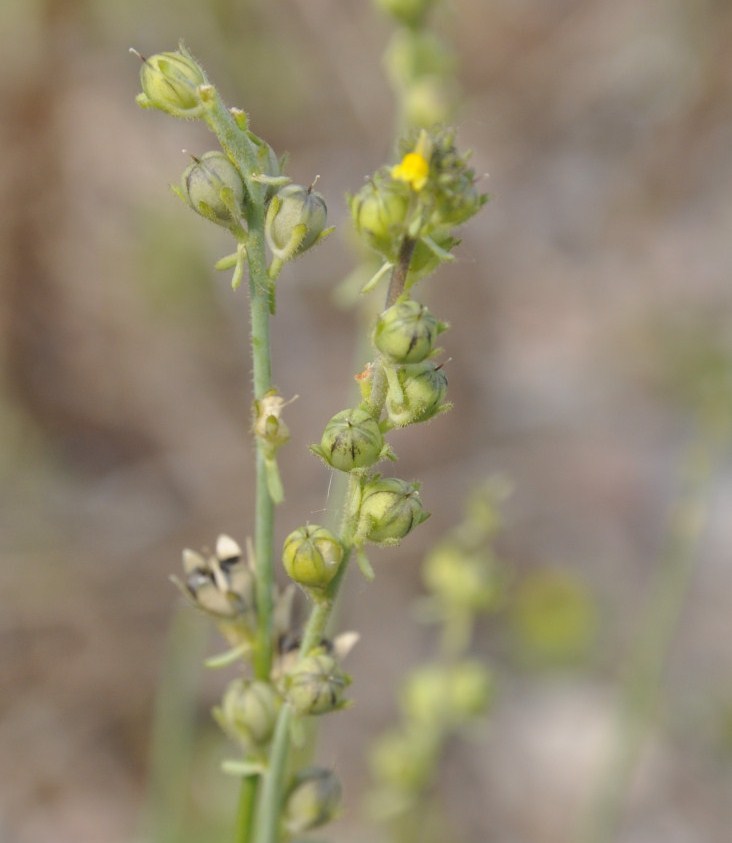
(413, 169)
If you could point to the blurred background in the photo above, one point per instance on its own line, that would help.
(591, 350)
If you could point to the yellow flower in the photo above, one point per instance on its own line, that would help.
(413, 169)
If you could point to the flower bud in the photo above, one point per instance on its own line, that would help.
(170, 82)
(379, 212)
(248, 711)
(416, 393)
(214, 188)
(352, 439)
(316, 685)
(312, 556)
(406, 332)
(312, 800)
(296, 218)
(390, 508)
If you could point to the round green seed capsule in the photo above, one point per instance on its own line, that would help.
(316, 685)
(380, 212)
(248, 711)
(352, 439)
(406, 332)
(420, 395)
(170, 83)
(390, 508)
(312, 801)
(312, 556)
(213, 187)
(297, 218)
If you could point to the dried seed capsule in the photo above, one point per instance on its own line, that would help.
(312, 800)
(214, 188)
(296, 218)
(221, 584)
(352, 439)
(390, 508)
(312, 555)
(248, 711)
(316, 685)
(170, 82)
(416, 393)
(406, 332)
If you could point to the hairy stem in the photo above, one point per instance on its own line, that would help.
(239, 148)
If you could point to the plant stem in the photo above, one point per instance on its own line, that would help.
(270, 801)
(264, 513)
(245, 810)
(401, 268)
(239, 148)
(641, 693)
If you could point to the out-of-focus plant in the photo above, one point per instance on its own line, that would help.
(407, 212)
(444, 697)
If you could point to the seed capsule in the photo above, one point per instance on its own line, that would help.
(221, 584)
(416, 393)
(352, 439)
(406, 332)
(379, 212)
(170, 82)
(213, 187)
(296, 218)
(312, 800)
(248, 711)
(316, 685)
(312, 556)
(390, 508)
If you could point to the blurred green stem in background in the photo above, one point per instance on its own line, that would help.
(642, 690)
(174, 729)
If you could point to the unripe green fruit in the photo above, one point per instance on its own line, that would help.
(406, 332)
(312, 556)
(352, 439)
(170, 83)
(204, 185)
(421, 394)
(297, 215)
(312, 801)
(316, 685)
(380, 213)
(390, 508)
(248, 711)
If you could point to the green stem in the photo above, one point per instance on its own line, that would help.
(239, 148)
(642, 690)
(267, 829)
(264, 512)
(245, 811)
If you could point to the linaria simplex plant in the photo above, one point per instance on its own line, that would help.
(407, 212)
